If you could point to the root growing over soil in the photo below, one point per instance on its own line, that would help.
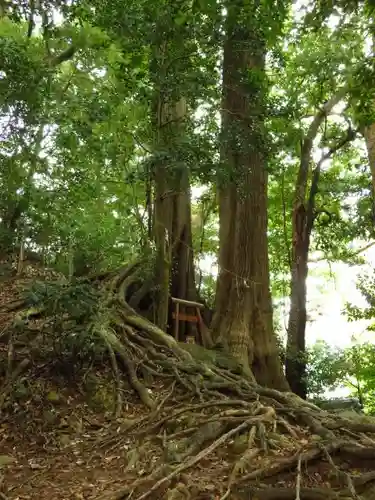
(256, 435)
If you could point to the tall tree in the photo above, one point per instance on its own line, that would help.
(243, 315)
(304, 214)
(329, 134)
(172, 203)
(170, 48)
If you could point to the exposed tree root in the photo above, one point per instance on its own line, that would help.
(117, 376)
(210, 407)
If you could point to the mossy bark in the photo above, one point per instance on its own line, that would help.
(172, 202)
(243, 317)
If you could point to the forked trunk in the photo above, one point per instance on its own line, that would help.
(302, 226)
(172, 218)
(243, 316)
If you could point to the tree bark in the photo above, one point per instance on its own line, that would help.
(295, 364)
(243, 316)
(369, 135)
(172, 205)
(368, 132)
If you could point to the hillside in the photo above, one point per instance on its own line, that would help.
(200, 431)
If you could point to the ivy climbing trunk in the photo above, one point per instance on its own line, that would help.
(243, 315)
(172, 199)
(368, 131)
(369, 135)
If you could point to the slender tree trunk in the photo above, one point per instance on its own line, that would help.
(168, 198)
(183, 283)
(295, 364)
(302, 226)
(243, 316)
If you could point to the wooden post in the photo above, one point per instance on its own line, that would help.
(177, 316)
(177, 320)
(21, 256)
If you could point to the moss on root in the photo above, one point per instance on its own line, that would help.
(210, 406)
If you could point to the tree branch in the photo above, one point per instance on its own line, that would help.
(307, 144)
(66, 55)
(350, 135)
(323, 112)
(353, 254)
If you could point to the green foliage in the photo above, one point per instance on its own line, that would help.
(71, 308)
(365, 285)
(78, 300)
(73, 180)
(79, 197)
(78, 138)
(307, 68)
(352, 368)
(325, 370)
(95, 111)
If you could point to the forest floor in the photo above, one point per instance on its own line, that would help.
(170, 428)
(54, 435)
(64, 460)
(58, 449)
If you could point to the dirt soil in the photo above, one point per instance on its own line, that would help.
(54, 450)
(65, 450)
(209, 434)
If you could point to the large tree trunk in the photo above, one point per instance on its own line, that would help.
(369, 135)
(172, 201)
(368, 132)
(243, 316)
(172, 216)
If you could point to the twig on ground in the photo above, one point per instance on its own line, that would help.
(341, 474)
(116, 374)
(298, 482)
(193, 460)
